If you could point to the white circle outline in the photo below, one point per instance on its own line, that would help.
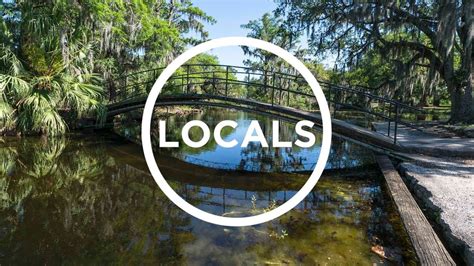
(235, 221)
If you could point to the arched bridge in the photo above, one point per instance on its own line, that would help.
(275, 93)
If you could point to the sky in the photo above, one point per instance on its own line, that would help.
(230, 14)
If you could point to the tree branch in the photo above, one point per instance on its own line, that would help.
(423, 52)
(415, 21)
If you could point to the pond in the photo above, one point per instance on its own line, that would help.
(254, 157)
(89, 199)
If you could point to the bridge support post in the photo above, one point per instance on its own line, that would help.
(273, 88)
(182, 84)
(248, 80)
(329, 97)
(396, 123)
(214, 88)
(389, 118)
(226, 79)
(187, 79)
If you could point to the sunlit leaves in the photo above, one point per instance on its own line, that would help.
(416, 37)
(14, 85)
(51, 50)
(41, 94)
(7, 116)
(38, 113)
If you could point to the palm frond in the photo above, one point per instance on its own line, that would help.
(15, 86)
(7, 118)
(10, 61)
(38, 113)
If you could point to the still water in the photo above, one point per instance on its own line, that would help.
(253, 157)
(89, 199)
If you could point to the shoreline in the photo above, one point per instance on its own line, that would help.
(443, 194)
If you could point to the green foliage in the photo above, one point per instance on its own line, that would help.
(204, 74)
(423, 48)
(51, 52)
(34, 98)
(271, 29)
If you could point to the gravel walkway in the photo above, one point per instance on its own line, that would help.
(446, 187)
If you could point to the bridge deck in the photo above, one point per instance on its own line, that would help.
(417, 141)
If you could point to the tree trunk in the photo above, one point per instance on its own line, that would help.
(424, 99)
(436, 97)
(462, 109)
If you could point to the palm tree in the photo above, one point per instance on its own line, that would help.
(39, 83)
(32, 100)
(49, 51)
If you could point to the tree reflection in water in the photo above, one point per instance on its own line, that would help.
(254, 157)
(70, 201)
(91, 200)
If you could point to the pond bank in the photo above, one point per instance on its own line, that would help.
(442, 181)
(445, 189)
(430, 250)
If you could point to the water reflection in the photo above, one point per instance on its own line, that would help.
(91, 201)
(254, 157)
(64, 201)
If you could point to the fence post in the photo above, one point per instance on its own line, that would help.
(124, 92)
(136, 88)
(226, 79)
(152, 81)
(223, 200)
(280, 90)
(182, 83)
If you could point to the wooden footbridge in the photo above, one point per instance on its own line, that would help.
(287, 96)
(284, 95)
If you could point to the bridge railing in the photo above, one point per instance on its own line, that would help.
(272, 87)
